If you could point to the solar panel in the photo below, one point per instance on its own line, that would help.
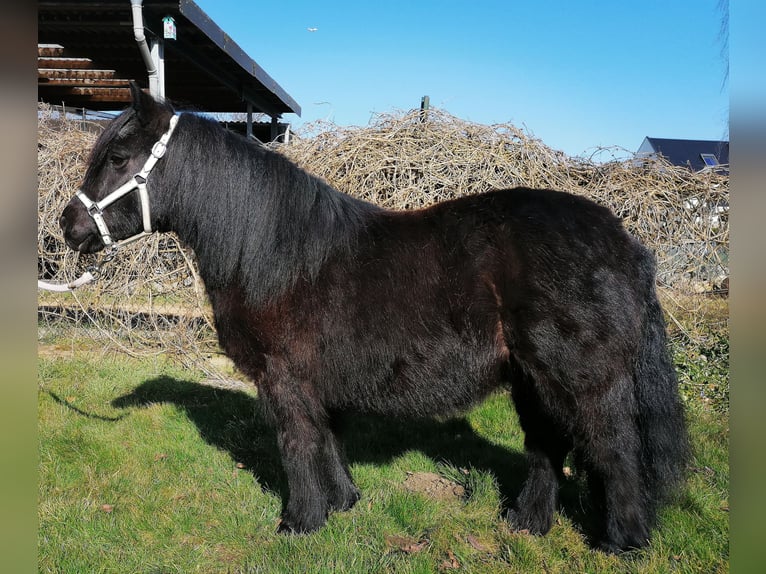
(709, 159)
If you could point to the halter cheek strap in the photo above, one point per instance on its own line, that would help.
(96, 212)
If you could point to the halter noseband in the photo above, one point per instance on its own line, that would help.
(138, 181)
(96, 212)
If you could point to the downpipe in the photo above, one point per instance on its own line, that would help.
(143, 46)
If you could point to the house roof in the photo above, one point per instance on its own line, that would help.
(87, 53)
(687, 153)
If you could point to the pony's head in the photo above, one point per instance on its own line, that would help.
(114, 200)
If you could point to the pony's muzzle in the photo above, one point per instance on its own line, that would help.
(80, 233)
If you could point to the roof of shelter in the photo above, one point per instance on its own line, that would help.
(87, 53)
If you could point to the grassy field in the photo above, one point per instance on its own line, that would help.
(144, 468)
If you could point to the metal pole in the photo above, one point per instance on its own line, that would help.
(157, 82)
(249, 120)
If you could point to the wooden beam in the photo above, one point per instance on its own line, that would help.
(50, 51)
(82, 95)
(78, 63)
(83, 82)
(69, 74)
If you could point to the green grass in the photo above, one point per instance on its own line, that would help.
(144, 469)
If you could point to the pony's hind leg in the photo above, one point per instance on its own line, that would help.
(609, 444)
(546, 446)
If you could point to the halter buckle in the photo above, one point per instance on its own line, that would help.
(159, 148)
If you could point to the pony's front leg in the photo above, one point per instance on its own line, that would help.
(341, 492)
(301, 428)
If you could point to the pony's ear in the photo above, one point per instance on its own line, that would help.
(142, 103)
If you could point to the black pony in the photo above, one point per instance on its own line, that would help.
(330, 304)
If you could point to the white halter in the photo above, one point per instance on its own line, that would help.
(96, 212)
(138, 181)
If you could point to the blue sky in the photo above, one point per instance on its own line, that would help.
(577, 75)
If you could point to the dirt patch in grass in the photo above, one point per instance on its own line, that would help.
(433, 486)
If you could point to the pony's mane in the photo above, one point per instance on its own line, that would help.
(251, 216)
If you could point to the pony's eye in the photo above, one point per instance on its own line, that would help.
(117, 161)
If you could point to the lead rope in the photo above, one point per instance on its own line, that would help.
(92, 273)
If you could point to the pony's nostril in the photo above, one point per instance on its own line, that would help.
(62, 222)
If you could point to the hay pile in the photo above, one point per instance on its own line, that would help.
(151, 299)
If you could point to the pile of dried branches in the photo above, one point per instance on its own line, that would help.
(151, 300)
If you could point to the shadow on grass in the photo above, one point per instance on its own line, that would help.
(237, 423)
(81, 412)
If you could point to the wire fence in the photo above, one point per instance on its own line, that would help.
(150, 300)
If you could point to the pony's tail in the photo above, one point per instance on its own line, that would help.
(662, 427)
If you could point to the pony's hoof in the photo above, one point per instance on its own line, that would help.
(611, 547)
(297, 526)
(527, 524)
(346, 502)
